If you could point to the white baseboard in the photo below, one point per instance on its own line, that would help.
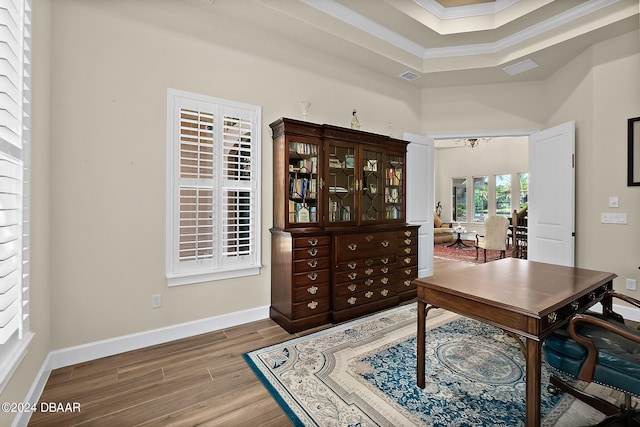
(95, 350)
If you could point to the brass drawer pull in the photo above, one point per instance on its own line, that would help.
(407, 233)
(552, 317)
(384, 243)
(352, 287)
(407, 250)
(352, 300)
(385, 270)
(384, 292)
(313, 290)
(407, 242)
(407, 282)
(368, 237)
(313, 252)
(368, 282)
(352, 275)
(313, 263)
(592, 296)
(352, 246)
(407, 271)
(368, 294)
(353, 265)
(312, 276)
(385, 260)
(312, 305)
(575, 305)
(313, 242)
(368, 271)
(369, 262)
(384, 280)
(407, 260)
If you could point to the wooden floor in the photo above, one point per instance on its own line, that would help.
(202, 380)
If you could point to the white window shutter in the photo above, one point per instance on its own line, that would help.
(15, 124)
(213, 207)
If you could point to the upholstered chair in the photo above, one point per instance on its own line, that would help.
(599, 348)
(495, 236)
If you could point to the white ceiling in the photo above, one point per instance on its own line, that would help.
(444, 46)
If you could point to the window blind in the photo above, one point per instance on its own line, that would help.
(15, 135)
(213, 202)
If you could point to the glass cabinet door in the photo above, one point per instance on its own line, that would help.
(341, 183)
(370, 186)
(304, 180)
(394, 187)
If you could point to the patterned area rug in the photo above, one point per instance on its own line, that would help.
(363, 373)
(465, 254)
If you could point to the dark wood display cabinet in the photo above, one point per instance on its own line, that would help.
(340, 244)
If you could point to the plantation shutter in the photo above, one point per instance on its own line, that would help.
(15, 125)
(213, 205)
(196, 186)
(238, 185)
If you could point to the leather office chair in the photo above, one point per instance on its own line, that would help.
(601, 349)
(495, 236)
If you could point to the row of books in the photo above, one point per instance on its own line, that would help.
(303, 148)
(394, 176)
(303, 188)
(309, 165)
(302, 212)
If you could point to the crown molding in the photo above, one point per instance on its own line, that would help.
(350, 17)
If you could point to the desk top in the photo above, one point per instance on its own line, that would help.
(531, 288)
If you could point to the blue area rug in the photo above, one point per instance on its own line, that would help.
(363, 373)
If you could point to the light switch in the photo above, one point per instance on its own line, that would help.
(613, 202)
(617, 218)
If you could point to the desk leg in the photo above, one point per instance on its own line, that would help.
(534, 378)
(422, 317)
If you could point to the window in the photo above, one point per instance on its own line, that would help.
(503, 195)
(459, 201)
(480, 198)
(213, 170)
(15, 137)
(524, 190)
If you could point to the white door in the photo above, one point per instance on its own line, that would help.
(420, 190)
(552, 195)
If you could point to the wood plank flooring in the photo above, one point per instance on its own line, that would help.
(201, 380)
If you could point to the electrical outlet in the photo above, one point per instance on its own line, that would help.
(156, 301)
(631, 284)
(611, 218)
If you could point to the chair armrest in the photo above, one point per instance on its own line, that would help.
(608, 302)
(587, 372)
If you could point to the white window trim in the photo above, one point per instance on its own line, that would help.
(245, 265)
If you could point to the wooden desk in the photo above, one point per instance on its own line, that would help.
(528, 298)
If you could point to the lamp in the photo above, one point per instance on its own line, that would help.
(471, 142)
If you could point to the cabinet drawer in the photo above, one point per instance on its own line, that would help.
(357, 264)
(408, 232)
(407, 251)
(408, 272)
(364, 297)
(408, 241)
(303, 242)
(311, 277)
(367, 275)
(310, 308)
(311, 252)
(406, 261)
(311, 291)
(354, 246)
(311, 264)
(360, 286)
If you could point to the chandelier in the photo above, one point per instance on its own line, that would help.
(471, 142)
